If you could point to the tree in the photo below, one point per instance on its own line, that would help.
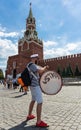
(77, 73)
(69, 72)
(1, 74)
(64, 73)
(59, 70)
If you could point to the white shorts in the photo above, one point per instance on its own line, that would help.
(36, 94)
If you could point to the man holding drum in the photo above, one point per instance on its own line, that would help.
(36, 92)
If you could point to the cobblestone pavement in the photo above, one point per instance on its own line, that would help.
(61, 111)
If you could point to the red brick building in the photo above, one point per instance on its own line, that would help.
(30, 44)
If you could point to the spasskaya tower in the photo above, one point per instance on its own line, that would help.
(27, 45)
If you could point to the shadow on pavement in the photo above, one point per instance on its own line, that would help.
(19, 96)
(23, 126)
(14, 92)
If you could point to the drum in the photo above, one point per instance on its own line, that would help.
(50, 82)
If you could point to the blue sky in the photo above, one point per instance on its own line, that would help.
(58, 23)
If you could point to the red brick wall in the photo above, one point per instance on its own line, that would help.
(63, 62)
(23, 57)
(36, 48)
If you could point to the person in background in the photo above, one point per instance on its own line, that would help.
(36, 92)
(8, 83)
(23, 88)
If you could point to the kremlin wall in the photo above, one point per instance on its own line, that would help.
(63, 62)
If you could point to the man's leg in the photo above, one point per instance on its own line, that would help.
(39, 100)
(31, 107)
(39, 122)
(30, 116)
(39, 110)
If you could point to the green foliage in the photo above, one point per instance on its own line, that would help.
(77, 73)
(64, 73)
(69, 72)
(1, 74)
(59, 70)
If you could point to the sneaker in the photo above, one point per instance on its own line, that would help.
(42, 124)
(30, 117)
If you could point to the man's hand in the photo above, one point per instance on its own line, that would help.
(47, 67)
(43, 69)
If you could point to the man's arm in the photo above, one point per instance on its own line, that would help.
(43, 69)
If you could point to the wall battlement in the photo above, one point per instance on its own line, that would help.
(63, 57)
(63, 62)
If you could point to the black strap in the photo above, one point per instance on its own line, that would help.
(30, 64)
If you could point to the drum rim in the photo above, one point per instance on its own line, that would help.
(60, 85)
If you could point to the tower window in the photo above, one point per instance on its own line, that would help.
(14, 64)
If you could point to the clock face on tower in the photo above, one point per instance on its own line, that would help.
(27, 32)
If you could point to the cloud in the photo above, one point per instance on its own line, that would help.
(7, 47)
(63, 50)
(55, 52)
(48, 44)
(12, 34)
(52, 50)
(71, 46)
(73, 7)
(2, 29)
(3, 33)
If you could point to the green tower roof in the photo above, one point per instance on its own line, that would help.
(30, 12)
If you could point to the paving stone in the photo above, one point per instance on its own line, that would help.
(61, 111)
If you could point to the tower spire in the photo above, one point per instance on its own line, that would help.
(30, 12)
(30, 4)
(31, 33)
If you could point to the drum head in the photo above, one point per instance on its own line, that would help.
(51, 83)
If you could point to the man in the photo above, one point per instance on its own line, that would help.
(36, 92)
